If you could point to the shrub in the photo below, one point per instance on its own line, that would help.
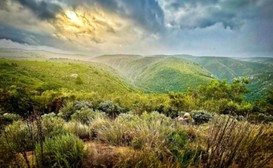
(177, 140)
(11, 116)
(110, 108)
(178, 144)
(86, 115)
(78, 129)
(16, 97)
(71, 108)
(260, 117)
(67, 111)
(201, 117)
(20, 136)
(7, 118)
(155, 118)
(61, 151)
(17, 137)
(7, 154)
(52, 125)
(82, 105)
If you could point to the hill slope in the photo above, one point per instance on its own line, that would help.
(157, 73)
(258, 70)
(152, 74)
(57, 74)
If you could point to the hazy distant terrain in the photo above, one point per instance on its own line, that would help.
(178, 72)
(162, 74)
(158, 74)
(258, 70)
(36, 54)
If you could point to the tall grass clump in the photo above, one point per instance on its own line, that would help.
(78, 129)
(157, 140)
(239, 144)
(149, 129)
(61, 151)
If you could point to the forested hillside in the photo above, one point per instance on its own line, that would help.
(158, 74)
(162, 73)
(259, 71)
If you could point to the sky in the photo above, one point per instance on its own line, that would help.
(236, 28)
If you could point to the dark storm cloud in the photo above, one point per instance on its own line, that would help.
(13, 34)
(229, 26)
(43, 9)
(144, 16)
(146, 13)
(26, 37)
(3, 4)
(175, 5)
(202, 14)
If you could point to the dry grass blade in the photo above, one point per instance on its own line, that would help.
(232, 143)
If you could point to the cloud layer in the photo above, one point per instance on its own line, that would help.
(211, 27)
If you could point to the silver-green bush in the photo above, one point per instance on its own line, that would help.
(61, 151)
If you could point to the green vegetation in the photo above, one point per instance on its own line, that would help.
(44, 75)
(258, 70)
(62, 114)
(16, 138)
(158, 74)
(162, 74)
(61, 151)
(149, 140)
(23, 82)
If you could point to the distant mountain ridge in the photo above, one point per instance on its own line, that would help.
(157, 73)
(164, 73)
(258, 70)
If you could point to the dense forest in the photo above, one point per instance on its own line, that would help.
(62, 113)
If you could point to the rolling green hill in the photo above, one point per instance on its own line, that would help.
(60, 74)
(229, 68)
(157, 73)
(120, 73)
(258, 70)
(163, 73)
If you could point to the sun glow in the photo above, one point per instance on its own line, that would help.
(86, 27)
(73, 17)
